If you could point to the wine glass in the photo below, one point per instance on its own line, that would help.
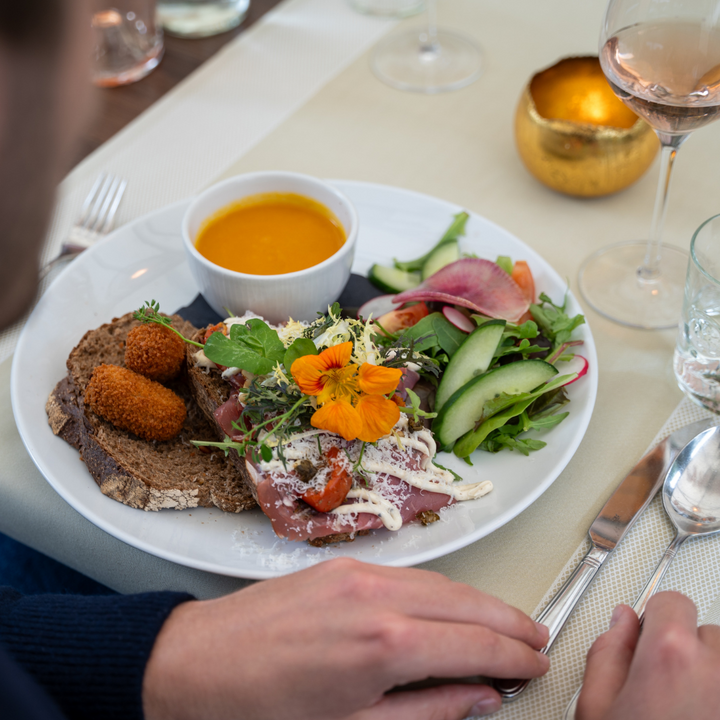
(430, 62)
(662, 59)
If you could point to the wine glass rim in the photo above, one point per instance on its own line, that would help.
(694, 256)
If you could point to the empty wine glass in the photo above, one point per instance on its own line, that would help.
(430, 62)
(662, 59)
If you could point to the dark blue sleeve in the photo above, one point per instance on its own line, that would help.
(88, 652)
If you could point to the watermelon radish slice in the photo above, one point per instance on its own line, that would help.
(474, 283)
(577, 365)
(460, 321)
(377, 306)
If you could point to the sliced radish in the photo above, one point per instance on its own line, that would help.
(552, 358)
(376, 307)
(577, 365)
(460, 321)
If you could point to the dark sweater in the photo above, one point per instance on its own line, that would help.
(87, 653)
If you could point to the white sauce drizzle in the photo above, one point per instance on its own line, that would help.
(374, 504)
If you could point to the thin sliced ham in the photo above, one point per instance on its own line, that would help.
(474, 283)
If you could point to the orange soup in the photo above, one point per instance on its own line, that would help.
(270, 234)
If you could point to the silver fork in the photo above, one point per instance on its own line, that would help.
(95, 220)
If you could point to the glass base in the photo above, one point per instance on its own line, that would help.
(388, 8)
(610, 283)
(200, 18)
(410, 62)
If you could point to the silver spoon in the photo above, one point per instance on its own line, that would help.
(691, 498)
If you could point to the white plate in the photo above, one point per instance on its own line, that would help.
(145, 260)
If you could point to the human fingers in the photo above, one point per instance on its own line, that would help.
(409, 650)
(430, 596)
(446, 702)
(608, 664)
(668, 611)
(710, 635)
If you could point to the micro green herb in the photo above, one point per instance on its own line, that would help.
(279, 428)
(150, 313)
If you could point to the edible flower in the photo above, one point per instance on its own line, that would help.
(351, 398)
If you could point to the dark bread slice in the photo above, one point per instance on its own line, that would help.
(210, 392)
(145, 475)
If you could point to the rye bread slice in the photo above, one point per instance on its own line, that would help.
(146, 475)
(210, 392)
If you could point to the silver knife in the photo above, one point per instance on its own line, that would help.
(625, 505)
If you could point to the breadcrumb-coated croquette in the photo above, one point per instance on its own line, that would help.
(134, 403)
(155, 352)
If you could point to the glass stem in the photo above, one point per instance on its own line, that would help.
(431, 44)
(650, 269)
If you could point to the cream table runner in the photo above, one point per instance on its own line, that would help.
(457, 146)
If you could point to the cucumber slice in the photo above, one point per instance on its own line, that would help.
(440, 257)
(464, 409)
(392, 280)
(472, 358)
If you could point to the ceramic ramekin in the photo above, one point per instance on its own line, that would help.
(299, 295)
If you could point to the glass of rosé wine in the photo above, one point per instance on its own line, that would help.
(662, 59)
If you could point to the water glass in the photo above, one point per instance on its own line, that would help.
(697, 355)
(127, 43)
(200, 18)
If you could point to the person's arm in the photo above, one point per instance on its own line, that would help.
(88, 652)
(670, 671)
(329, 642)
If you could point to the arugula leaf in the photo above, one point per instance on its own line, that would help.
(422, 333)
(456, 229)
(555, 323)
(473, 438)
(414, 408)
(254, 347)
(546, 421)
(522, 445)
(504, 400)
(449, 337)
(299, 348)
(434, 331)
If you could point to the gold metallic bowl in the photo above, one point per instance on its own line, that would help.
(574, 135)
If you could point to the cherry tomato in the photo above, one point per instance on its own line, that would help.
(403, 317)
(336, 489)
(523, 277)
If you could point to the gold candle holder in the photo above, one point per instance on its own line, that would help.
(575, 136)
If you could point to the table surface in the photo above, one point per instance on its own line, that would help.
(116, 107)
(459, 146)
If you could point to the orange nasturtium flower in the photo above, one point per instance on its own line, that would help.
(351, 398)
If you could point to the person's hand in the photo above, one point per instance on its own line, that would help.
(672, 672)
(328, 643)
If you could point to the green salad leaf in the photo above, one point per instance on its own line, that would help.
(456, 229)
(299, 348)
(555, 323)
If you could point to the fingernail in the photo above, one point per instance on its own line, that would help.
(486, 706)
(544, 659)
(616, 614)
(542, 629)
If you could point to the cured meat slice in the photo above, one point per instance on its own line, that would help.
(294, 520)
(474, 283)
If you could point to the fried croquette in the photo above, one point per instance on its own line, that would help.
(155, 352)
(134, 403)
